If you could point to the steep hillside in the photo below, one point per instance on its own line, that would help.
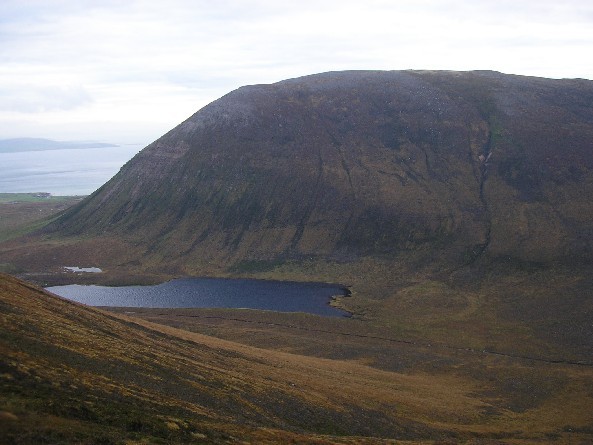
(73, 374)
(345, 165)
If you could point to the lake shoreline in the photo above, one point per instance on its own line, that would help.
(212, 292)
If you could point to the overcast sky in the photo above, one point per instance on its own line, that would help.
(128, 71)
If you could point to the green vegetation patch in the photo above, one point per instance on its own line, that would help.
(254, 266)
(13, 198)
(21, 213)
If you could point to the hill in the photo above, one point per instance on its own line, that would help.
(73, 374)
(351, 164)
(457, 206)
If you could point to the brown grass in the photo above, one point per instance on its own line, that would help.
(70, 371)
(429, 356)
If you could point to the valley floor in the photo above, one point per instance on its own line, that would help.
(476, 356)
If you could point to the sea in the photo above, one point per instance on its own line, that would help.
(63, 172)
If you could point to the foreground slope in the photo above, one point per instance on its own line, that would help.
(73, 374)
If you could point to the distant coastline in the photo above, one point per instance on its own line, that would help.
(29, 165)
(17, 145)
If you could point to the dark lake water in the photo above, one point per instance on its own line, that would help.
(279, 296)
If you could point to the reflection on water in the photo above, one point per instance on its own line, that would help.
(279, 296)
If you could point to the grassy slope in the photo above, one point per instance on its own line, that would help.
(23, 212)
(414, 298)
(72, 373)
(393, 200)
(76, 374)
(346, 165)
